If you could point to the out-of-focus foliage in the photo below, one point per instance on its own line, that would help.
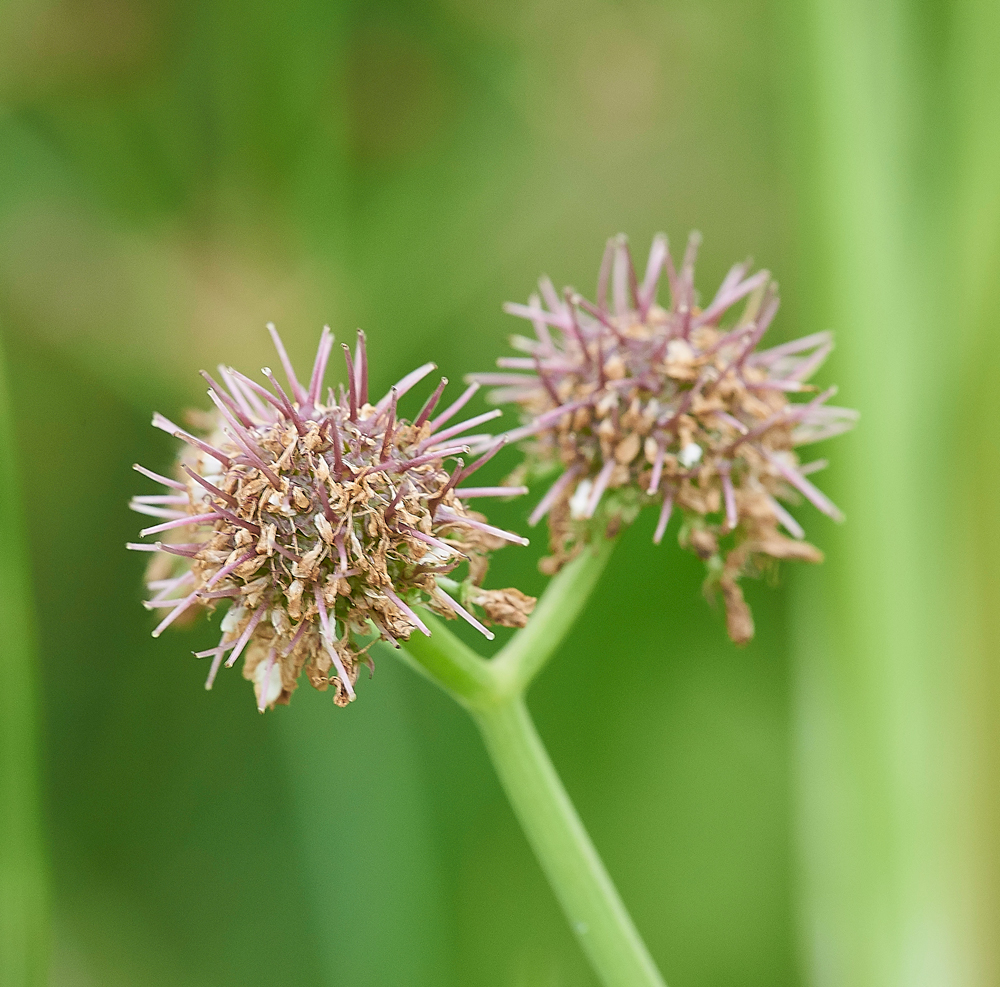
(174, 175)
(899, 110)
(24, 943)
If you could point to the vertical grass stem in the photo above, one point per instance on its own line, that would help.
(23, 879)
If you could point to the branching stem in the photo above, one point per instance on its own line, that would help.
(493, 692)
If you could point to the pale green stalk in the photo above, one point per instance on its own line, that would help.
(23, 879)
(975, 64)
(493, 692)
(900, 188)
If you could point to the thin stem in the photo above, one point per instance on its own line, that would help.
(23, 878)
(474, 681)
(517, 664)
(574, 870)
(450, 663)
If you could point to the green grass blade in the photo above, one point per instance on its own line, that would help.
(23, 877)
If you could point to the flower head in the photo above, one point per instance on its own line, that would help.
(318, 521)
(638, 404)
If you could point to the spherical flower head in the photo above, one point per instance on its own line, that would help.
(637, 404)
(319, 522)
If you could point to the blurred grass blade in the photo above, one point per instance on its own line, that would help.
(23, 878)
(886, 649)
(975, 64)
(975, 68)
(368, 848)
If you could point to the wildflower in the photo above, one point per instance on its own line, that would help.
(319, 521)
(636, 404)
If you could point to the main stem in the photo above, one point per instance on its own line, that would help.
(563, 848)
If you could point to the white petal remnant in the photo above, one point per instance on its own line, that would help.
(318, 523)
(580, 499)
(642, 404)
(689, 455)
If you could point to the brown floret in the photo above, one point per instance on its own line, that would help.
(317, 521)
(636, 404)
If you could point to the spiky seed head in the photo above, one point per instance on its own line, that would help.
(638, 404)
(320, 521)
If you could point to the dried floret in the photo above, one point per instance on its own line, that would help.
(320, 521)
(636, 404)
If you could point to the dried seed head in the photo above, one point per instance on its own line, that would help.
(637, 404)
(320, 521)
(506, 607)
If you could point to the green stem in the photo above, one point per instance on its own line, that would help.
(574, 870)
(450, 663)
(493, 692)
(23, 884)
(524, 657)
(475, 682)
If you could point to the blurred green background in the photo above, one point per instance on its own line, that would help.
(820, 808)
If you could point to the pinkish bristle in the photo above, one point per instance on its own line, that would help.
(319, 366)
(182, 607)
(421, 626)
(214, 670)
(210, 487)
(327, 637)
(152, 510)
(352, 388)
(728, 295)
(244, 638)
(541, 329)
(559, 321)
(551, 296)
(466, 616)
(600, 485)
(160, 499)
(178, 433)
(255, 457)
(290, 647)
(452, 518)
(654, 480)
(664, 518)
(390, 425)
(245, 398)
(234, 408)
(361, 367)
(430, 404)
(454, 407)
(654, 267)
(483, 460)
(818, 499)
(431, 540)
(255, 389)
(166, 481)
(786, 520)
(181, 523)
(473, 492)
(300, 395)
(553, 494)
(406, 383)
(448, 433)
(286, 406)
(394, 466)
